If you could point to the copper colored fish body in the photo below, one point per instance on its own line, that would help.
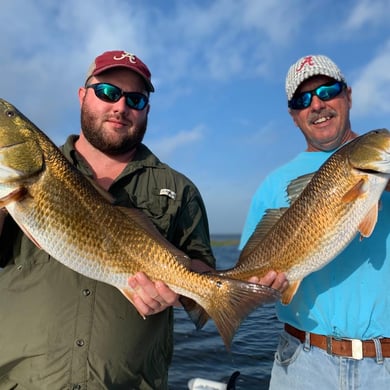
(68, 218)
(337, 202)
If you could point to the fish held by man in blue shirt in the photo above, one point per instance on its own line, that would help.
(66, 216)
(327, 210)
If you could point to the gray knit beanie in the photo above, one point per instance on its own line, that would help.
(309, 66)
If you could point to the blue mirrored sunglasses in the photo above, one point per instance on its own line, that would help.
(324, 92)
(111, 93)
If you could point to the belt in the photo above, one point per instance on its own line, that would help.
(352, 348)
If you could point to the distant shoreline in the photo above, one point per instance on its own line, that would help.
(225, 240)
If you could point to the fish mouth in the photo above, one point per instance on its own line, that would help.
(381, 169)
(368, 170)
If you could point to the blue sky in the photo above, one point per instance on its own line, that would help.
(219, 112)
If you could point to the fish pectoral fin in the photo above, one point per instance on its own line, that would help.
(289, 293)
(355, 192)
(129, 294)
(13, 196)
(367, 226)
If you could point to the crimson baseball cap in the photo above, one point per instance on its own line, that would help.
(120, 59)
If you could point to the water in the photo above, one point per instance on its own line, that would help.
(203, 354)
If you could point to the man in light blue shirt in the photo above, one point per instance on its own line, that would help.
(337, 326)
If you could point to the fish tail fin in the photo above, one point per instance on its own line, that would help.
(234, 302)
(195, 311)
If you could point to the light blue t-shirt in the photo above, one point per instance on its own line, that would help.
(350, 296)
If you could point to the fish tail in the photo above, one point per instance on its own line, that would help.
(242, 300)
(195, 311)
(231, 304)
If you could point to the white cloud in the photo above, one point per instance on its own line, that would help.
(368, 12)
(165, 147)
(53, 46)
(371, 91)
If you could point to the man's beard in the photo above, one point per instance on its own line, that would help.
(96, 137)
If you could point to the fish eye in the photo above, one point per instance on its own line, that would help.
(10, 113)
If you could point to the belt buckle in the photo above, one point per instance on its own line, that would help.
(357, 349)
(329, 345)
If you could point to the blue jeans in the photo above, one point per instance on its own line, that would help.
(299, 366)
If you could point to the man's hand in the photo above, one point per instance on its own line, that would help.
(154, 297)
(272, 279)
(151, 297)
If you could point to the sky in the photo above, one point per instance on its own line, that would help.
(219, 114)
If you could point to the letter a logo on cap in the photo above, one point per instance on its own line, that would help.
(132, 58)
(306, 61)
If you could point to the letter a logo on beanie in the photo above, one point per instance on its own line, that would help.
(306, 61)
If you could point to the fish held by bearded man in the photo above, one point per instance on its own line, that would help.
(66, 216)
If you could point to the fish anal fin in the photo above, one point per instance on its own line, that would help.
(355, 192)
(289, 293)
(13, 196)
(367, 226)
(129, 294)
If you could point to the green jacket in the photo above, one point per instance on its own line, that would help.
(60, 330)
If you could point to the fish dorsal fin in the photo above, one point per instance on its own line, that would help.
(367, 226)
(296, 186)
(145, 223)
(105, 194)
(289, 293)
(270, 218)
(355, 192)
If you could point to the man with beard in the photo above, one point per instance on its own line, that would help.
(61, 330)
